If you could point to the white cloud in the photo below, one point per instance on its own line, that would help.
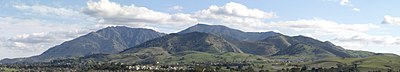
(176, 7)
(233, 9)
(321, 26)
(114, 13)
(15, 26)
(366, 42)
(234, 15)
(349, 36)
(231, 14)
(344, 2)
(391, 20)
(36, 43)
(368, 39)
(48, 10)
(356, 9)
(341, 34)
(27, 37)
(39, 42)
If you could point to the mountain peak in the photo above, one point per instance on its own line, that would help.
(208, 25)
(228, 33)
(108, 40)
(123, 28)
(117, 27)
(208, 28)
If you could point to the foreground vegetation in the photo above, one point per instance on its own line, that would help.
(199, 62)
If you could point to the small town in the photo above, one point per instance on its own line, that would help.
(188, 67)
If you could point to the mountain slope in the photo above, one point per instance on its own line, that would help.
(381, 62)
(308, 47)
(105, 41)
(195, 41)
(256, 48)
(270, 43)
(229, 33)
(246, 41)
(174, 48)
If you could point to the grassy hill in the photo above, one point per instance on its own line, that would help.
(376, 62)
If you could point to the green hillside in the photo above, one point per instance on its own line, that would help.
(377, 62)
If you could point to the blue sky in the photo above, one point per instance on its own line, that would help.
(29, 27)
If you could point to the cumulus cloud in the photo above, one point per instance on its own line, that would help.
(39, 42)
(391, 20)
(27, 37)
(234, 15)
(231, 14)
(233, 9)
(176, 7)
(35, 43)
(114, 13)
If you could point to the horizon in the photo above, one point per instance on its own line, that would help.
(31, 27)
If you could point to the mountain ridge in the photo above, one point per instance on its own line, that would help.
(229, 33)
(194, 41)
(197, 39)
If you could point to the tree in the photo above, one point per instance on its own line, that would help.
(227, 67)
(249, 69)
(304, 68)
(240, 67)
(218, 67)
(262, 67)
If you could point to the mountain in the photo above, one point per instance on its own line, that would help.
(123, 44)
(309, 48)
(194, 41)
(275, 44)
(246, 41)
(173, 48)
(229, 33)
(256, 48)
(109, 40)
(203, 45)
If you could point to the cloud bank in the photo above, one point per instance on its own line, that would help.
(116, 14)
